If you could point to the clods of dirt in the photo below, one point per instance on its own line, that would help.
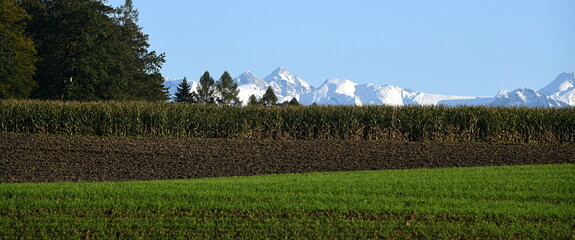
(42, 158)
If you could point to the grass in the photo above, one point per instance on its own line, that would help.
(534, 201)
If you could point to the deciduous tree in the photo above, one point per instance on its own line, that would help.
(17, 52)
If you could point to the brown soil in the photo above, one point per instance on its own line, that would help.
(40, 158)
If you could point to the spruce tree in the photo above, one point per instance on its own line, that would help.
(294, 102)
(17, 52)
(143, 67)
(183, 92)
(269, 98)
(228, 90)
(206, 89)
(253, 100)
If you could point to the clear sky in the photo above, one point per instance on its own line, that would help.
(442, 46)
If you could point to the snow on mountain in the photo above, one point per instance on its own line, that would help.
(249, 84)
(371, 94)
(421, 98)
(562, 88)
(286, 85)
(346, 92)
(525, 97)
(333, 91)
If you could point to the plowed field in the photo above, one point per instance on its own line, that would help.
(41, 158)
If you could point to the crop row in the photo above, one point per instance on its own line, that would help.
(408, 123)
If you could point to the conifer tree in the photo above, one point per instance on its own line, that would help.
(17, 52)
(294, 102)
(228, 90)
(269, 98)
(144, 78)
(183, 93)
(253, 100)
(206, 89)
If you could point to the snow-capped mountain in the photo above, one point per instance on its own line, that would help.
(525, 97)
(286, 85)
(562, 88)
(334, 91)
(345, 92)
(249, 84)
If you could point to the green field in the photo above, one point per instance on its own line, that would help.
(484, 202)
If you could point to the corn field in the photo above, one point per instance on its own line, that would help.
(384, 123)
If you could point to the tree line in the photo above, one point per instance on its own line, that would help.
(85, 50)
(76, 50)
(223, 92)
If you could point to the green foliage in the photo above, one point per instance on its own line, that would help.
(17, 52)
(252, 101)
(184, 93)
(206, 89)
(463, 203)
(142, 67)
(294, 102)
(228, 91)
(90, 51)
(269, 98)
(385, 123)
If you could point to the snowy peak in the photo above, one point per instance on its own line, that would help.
(562, 88)
(280, 70)
(286, 85)
(525, 97)
(564, 82)
(249, 78)
(345, 92)
(250, 84)
(283, 75)
(371, 94)
(336, 91)
(340, 86)
(333, 91)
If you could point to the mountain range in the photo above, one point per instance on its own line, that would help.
(559, 93)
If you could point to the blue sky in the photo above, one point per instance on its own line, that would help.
(445, 47)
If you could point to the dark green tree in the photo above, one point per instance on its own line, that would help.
(144, 80)
(227, 90)
(184, 93)
(17, 52)
(206, 89)
(74, 48)
(269, 98)
(294, 102)
(253, 100)
(90, 51)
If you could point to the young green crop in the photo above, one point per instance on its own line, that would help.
(386, 123)
(484, 202)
